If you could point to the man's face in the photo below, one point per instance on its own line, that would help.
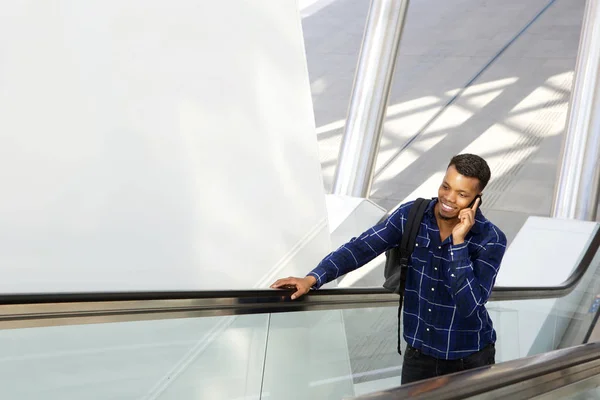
(455, 193)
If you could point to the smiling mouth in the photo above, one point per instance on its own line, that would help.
(446, 207)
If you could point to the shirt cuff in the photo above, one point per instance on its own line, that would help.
(459, 252)
(319, 274)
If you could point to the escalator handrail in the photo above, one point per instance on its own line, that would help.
(106, 307)
(560, 367)
(501, 293)
(282, 295)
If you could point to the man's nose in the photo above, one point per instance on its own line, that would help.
(452, 198)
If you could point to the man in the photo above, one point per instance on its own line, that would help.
(451, 274)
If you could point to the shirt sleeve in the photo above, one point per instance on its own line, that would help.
(471, 281)
(362, 249)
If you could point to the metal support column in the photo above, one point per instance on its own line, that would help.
(370, 94)
(578, 180)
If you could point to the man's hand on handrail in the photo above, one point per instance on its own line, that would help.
(302, 285)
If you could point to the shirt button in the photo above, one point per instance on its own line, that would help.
(452, 275)
(439, 247)
(435, 268)
(430, 310)
(432, 289)
(451, 253)
(427, 329)
(417, 244)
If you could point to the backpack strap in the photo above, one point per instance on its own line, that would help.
(407, 245)
(411, 228)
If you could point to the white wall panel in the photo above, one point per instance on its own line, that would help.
(149, 145)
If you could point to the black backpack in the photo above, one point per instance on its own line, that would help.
(396, 262)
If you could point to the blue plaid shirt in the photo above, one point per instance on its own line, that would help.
(447, 286)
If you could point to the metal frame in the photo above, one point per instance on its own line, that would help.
(590, 330)
(578, 179)
(70, 309)
(523, 378)
(370, 94)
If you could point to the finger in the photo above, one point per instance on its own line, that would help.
(462, 217)
(276, 283)
(469, 219)
(467, 212)
(477, 203)
(297, 294)
(282, 282)
(300, 292)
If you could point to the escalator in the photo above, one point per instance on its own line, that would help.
(257, 344)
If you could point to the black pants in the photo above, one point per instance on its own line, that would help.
(417, 366)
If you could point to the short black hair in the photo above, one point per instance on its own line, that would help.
(472, 166)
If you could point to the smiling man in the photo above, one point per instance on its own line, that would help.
(451, 274)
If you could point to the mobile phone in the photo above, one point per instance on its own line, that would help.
(475, 199)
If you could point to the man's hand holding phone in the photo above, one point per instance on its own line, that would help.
(466, 221)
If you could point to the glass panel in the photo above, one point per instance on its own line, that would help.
(530, 327)
(372, 344)
(191, 358)
(313, 354)
(587, 389)
(228, 364)
(331, 354)
(307, 357)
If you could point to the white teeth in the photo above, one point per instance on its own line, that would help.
(445, 207)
